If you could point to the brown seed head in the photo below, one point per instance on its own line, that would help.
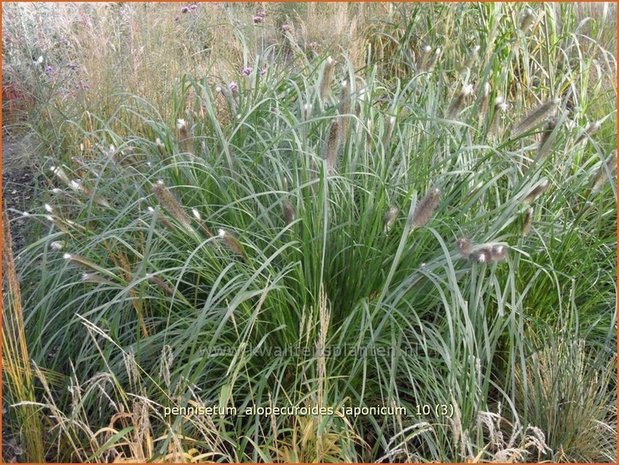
(289, 212)
(332, 145)
(171, 204)
(533, 117)
(327, 77)
(602, 176)
(483, 255)
(498, 253)
(390, 217)
(537, 191)
(425, 209)
(95, 278)
(527, 20)
(544, 143)
(528, 222)
(589, 130)
(424, 59)
(231, 242)
(465, 247)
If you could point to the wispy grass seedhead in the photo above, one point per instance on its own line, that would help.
(81, 262)
(160, 283)
(485, 98)
(345, 107)
(528, 18)
(545, 143)
(59, 172)
(589, 130)
(389, 127)
(603, 174)
(172, 205)
(198, 219)
(500, 107)
(435, 61)
(390, 217)
(458, 102)
(543, 111)
(425, 209)
(472, 57)
(95, 278)
(481, 255)
(160, 218)
(538, 190)
(345, 102)
(181, 126)
(57, 245)
(498, 252)
(332, 145)
(528, 222)
(424, 58)
(465, 247)
(58, 222)
(289, 212)
(326, 79)
(233, 244)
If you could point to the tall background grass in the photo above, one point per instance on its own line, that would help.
(270, 205)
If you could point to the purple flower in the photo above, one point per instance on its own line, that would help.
(184, 9)
(258, 19)
(286, 28)
(263, 71)
(49, 70)
(247, 71)
(233, 86)
(261, 13)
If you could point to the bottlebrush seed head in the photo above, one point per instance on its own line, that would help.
(541, 112)
(425, 209)
(171, 204)
(390, 217)
(528, 222)
(537, 191)
(289, 212)
(57, 245)
(527, 20)
(498, 252)
(483, 255)
(465, 247)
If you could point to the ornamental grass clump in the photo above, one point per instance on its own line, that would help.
(302, 257)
